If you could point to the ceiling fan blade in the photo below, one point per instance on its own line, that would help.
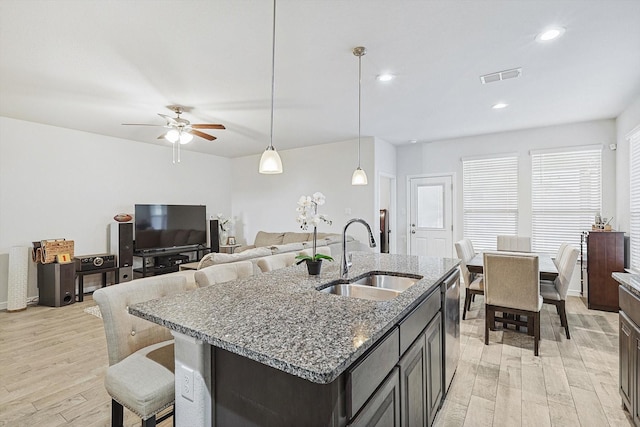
(162, 136)
(140, 124)
(208, 126)
(202, 134)
(170, 120)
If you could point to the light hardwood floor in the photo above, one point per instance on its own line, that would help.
(52, 363)
(572, 383)
(52, 366)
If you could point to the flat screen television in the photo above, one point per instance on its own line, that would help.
(169, 226)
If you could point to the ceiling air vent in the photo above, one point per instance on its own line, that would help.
(501, 75)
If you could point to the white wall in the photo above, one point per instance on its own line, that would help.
(268, 202)
(385, 190)
(61, 183)
(625, 123)
(445, 157)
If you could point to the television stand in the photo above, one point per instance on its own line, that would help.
(166, 260)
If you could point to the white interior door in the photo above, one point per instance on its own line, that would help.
(431, 216)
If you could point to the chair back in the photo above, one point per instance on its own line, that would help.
(514, 243)
(566, 267)
(276, 262)
(560, 253)
(324, 250)
(126, 333)
(512, 280)
(464, 250)
(220, 273)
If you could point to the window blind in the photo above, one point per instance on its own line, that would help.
(634, 202)
(490, 199)
(566, 193)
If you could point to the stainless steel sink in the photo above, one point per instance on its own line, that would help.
(362, 291)
(376, 287)
(385, 281)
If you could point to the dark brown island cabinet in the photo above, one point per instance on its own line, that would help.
(605, 255)
(630, 353)
(399, 382)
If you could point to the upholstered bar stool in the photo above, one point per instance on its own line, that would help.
(221, 273)
(276, 262)
(140, 376)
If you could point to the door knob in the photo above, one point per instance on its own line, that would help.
(413, 231)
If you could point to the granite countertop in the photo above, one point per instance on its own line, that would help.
(630, 281)
(280, 319)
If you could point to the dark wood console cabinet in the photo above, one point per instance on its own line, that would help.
(605, 255)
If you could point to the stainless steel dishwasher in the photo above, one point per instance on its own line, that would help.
(450, 291)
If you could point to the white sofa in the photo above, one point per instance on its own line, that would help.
(267, 244)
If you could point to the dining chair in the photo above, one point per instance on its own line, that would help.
(140, 375)
(555, 292)
(514, 243)
(220, 273)
(512, 287)
(473, 283)
(561, 250)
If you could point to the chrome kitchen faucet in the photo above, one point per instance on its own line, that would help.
(345, 262)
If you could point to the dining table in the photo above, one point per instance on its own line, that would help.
(548, 269)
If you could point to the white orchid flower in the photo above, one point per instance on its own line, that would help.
(318, 198)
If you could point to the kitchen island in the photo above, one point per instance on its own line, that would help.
(274, 350)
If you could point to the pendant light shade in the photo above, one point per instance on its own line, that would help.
(270, 162)
(359, 176)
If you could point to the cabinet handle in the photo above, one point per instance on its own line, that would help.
(625, 329)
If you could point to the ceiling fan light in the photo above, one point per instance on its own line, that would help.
(185, 137)
(270, 162)
(359, 177)
(172, 136)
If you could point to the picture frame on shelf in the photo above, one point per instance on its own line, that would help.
(231, 240)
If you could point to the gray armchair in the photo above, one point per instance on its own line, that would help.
(512, 287)
(140, 376)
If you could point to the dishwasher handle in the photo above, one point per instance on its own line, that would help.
(452, 279)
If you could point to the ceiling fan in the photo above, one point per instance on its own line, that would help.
(180, 130)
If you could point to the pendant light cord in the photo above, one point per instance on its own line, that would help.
(273, 72)
(359, 103)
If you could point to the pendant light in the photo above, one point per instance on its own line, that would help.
(359, 176)
(270, 162)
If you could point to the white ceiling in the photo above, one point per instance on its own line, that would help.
(92, 65)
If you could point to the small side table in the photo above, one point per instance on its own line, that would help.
(229, 249)
(102, 271)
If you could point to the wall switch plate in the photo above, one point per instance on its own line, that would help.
(186, 382)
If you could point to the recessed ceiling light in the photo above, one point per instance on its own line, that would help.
(499, 106)
(385, 77)
(413, 141)
(550, 34)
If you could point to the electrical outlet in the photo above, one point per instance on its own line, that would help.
(186, 382)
